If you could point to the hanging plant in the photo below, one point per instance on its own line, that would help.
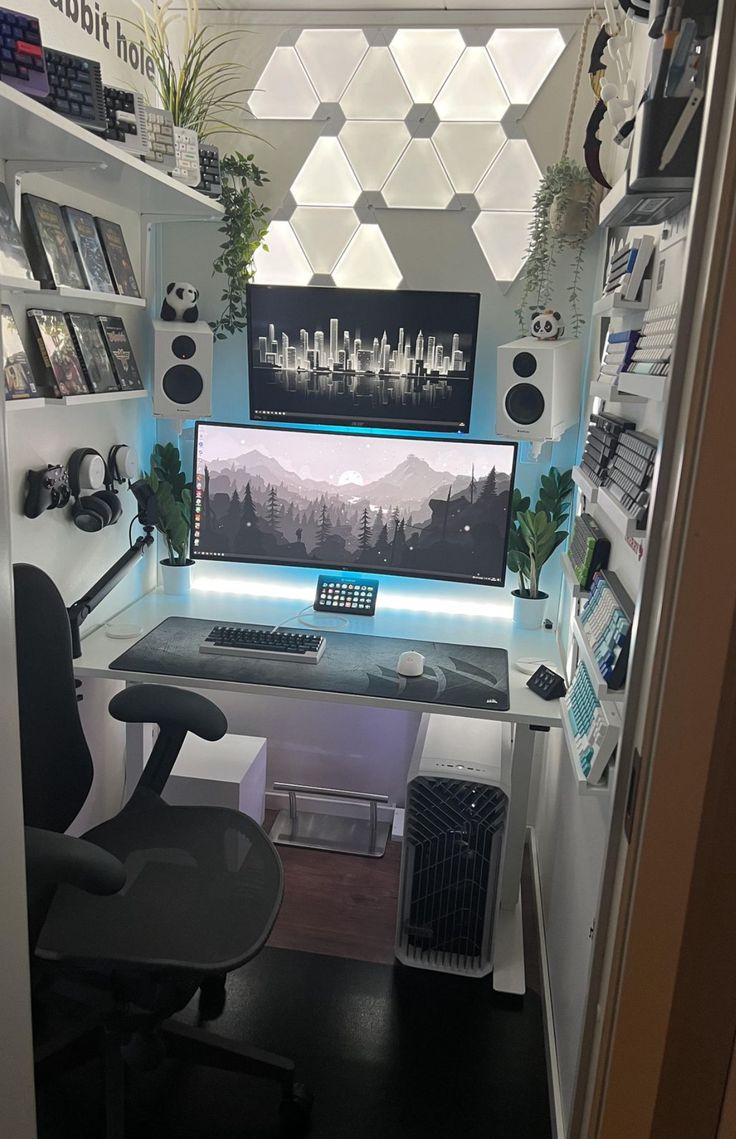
(563, 218)
(244, 226)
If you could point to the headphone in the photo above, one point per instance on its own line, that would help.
(122, 463)
(93, 512)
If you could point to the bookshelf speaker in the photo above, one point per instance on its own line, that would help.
(182, 369)
(537, 388)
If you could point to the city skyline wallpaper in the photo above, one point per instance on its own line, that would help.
(381, 358)
(425, 508)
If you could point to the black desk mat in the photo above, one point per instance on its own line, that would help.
(464, 676)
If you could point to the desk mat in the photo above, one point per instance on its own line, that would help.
(465, 676)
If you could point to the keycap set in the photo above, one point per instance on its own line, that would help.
(606, 624)
(209, 166)
(589, 549)
(600, 444)
(161, 150)
(22, 62)
(126, 120)
(629, 473)
(656, 340)
(244, 640)
(75, 89)
(186, 149)
(593, 736)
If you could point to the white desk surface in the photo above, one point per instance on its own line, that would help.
(98, 649)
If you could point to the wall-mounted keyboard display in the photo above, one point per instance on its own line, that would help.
(629, 473)
(125, 112)
(594, 738)
(161, 151)
(653, 349)
(75, 89)
(589, 549)
(210, 182)
(601, 442)
(22, 62)
(628, 267)
(618, 352)
(606, 623)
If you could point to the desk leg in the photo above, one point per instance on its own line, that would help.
(508, 956)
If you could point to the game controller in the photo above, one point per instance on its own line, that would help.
(46, 490)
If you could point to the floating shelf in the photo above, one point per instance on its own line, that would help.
(36, 138)
(613, 304)
(19, 284)
(66, 293)
(635, 385)
(35, 401)
(95, 397)
(584, 787)
(569, 575)
(619, 517)
(602, 691)
(581, 480)
(613, 392)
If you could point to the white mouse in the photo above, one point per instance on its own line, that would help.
(410, 664)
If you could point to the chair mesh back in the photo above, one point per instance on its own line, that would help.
(57, 767)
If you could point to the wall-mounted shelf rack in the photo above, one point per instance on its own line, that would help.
(36, 139)
(581, 480)
(602, 691)
(569, 575)
(36, 401)
(583, 786)
(18, 284)
(619, 517)
(66, 293)
(613, 392)
(95, 398)
(634, 385)
(612, 304)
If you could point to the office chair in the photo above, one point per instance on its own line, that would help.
(151, 905)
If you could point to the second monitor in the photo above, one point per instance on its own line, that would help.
(400, 359)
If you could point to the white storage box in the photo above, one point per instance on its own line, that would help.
(230, 772)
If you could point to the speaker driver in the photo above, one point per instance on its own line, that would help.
(183, 347)
(182, 384)
(524, 402)
(524, 364)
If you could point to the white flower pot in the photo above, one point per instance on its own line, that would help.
(176, 579)
(529, 611)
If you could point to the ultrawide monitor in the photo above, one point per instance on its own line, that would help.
(435, 508)
(396, 359)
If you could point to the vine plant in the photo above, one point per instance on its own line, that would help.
(244, 230)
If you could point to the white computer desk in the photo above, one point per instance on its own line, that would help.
(526, 710)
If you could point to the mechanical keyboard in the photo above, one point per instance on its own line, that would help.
(22, 63)
(240, 640)
(160, 126)
(126, 120)
(75, 89)
(209, 167)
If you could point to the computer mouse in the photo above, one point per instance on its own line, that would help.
(410, 664)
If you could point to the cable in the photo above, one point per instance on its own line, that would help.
(339, 617)
(130, 530)
(293, 617)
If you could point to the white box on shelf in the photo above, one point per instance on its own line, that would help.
(620, 518)
(584, 484)
(635, 385)
(230, 772)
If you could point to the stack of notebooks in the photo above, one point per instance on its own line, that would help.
(627, 270)
(653, 350)
(606, 622)
(588, 550)
(618, 352)
(69, 247)
(79, 354)
(604, 430)
(629, 473)
(594, 739)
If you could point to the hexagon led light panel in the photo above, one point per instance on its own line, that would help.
(524, 57)
(412, 120)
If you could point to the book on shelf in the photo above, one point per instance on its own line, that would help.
(92, 352)
(86, 244)
(19, 380)
(48, 244)
(56, 354)
(13, 257)
(120, 352)
(118, 258)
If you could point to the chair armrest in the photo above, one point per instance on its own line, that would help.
(169, 708)
(53, 858)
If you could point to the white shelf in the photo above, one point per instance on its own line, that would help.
(29, 404)
(66, 293)
(36, 138)
(584, 788)
(581, 480)
(569, 574)
(613, 304)
(619, 517)
(639, 386)
(613, 392)
(602, 691)
(19, 284)
(95, 397)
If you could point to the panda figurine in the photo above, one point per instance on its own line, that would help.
(180, 302)
(547, 325)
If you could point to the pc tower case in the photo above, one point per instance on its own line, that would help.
(454, 827)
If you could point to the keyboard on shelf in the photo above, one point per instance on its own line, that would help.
(75, 89)
(22, 63)
(160, 127)
(126, 120)
(241, 640)
(210, 182)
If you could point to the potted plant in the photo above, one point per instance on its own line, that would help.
(173, 508)
(245, 227)
(535, 535)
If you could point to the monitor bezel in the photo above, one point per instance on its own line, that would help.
(351, 569)
(371, 424)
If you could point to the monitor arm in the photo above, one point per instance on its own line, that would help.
(80, 610)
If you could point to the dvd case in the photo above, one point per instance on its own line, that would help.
(92, 353)
(120, 352)
(48, 244)
(13, 257)
(57, 356)
(86, 243)
(118, 258)
(19, 381)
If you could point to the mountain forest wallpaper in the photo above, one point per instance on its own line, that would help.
(418, 507)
